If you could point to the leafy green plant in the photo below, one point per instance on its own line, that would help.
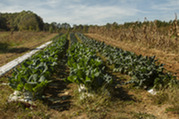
(146, 72)
(34, 74)
(86, 68)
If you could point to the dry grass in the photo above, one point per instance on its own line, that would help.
(165, 39)
(124, 103)
(16, 44)
(170, 96)
(19, 110)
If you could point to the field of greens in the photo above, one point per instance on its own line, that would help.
(77, 75)
(35, 73)
(145, 71)
(87, 68)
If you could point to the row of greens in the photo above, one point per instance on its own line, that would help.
(35, 73)
(146, 72)
(73, 39)
(86, 68)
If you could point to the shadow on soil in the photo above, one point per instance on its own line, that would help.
(56, 98)
(57, 95)
(119, 92)
(5, 48)
(122, 94)
(19, 50)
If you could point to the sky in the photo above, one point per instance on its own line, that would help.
(95, 12)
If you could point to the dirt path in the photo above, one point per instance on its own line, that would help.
(171, 61)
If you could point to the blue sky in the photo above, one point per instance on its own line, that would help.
(95, 11)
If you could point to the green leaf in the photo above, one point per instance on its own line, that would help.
(40, 87)
(20, 87)
(88, 80)
(42, 78)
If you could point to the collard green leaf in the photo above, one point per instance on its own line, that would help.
(35, 71)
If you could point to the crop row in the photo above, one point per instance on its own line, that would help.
(35, 73)
(86, 68)
(145, 71)
(73, 39)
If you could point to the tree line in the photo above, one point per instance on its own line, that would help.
(28, 21)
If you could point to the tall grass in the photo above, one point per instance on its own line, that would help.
(20, 38)
(169, 96)
(148, 34)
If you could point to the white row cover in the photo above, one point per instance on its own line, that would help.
(7, 67)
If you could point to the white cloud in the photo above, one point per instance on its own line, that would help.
(91, 12)
(167, 5)
(72, 11)
(52, 3)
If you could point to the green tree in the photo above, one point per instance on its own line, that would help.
(29, 21)
(25, 20)
(3, 25)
